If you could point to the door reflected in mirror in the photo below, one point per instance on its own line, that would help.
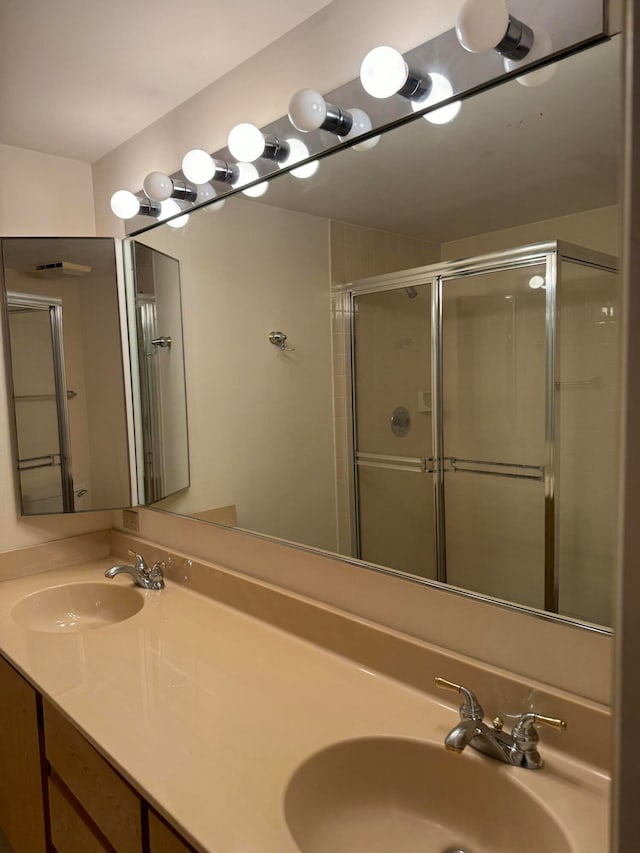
(442, 423)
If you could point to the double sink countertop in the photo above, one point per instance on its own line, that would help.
(208, 712)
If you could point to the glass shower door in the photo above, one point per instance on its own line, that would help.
(393, 429)
(494, 362)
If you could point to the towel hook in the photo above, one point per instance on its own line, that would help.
(279, 339)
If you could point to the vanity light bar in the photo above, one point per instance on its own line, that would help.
(482, 25)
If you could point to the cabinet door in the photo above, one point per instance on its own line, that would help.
(21, 787)
(164, 839)
(109, 801)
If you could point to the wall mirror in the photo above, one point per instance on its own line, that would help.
(376, 369)
(67, 379)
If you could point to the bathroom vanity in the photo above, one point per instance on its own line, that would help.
(187, 721)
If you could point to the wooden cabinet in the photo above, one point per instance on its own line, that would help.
(164, 839)
(22, 806)
(58, 794)
(108, 801)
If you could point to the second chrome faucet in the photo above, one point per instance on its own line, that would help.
(519, 748)
(143, 576)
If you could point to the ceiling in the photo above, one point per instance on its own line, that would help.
(80, 77)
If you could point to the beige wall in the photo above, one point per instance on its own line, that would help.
(42, 195)
(260, 420)
(598, 229)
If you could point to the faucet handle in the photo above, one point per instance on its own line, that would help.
(471, 709)
(139, 561)
(524, 730)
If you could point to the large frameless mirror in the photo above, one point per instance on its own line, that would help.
(67, 377)
(353, 385)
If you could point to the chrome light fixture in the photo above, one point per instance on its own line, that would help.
(160, 187)
(126, 205)
(384, 73)
(200, 168)
(247, 143)
(484, 25)
(308, 111)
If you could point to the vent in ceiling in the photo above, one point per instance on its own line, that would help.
(61, 268)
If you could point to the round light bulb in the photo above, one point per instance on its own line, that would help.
(170, 207)
(307, 110)
(198, 166)
(383, 72)
(441, 89)
(157, 186)
(299, 151)
(247, 174)
(361, 124)
(482, 24)
(541, 48)
(125, 204)
(536, 282)
(246, 142)
(207, 194)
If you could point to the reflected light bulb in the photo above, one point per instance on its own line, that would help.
(247, 174)
(536, 282)
(441, 89)
(198, 166)
(482, 24)
(207, 194)
(541, 48)
(383, 72)
(125, 204)
(157, 186)
(361, 124)
(299, 151)
(170, 207)
(307, 110)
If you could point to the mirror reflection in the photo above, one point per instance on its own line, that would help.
(67, 374)
(451, 421)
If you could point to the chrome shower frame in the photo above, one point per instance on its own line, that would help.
(548, 254)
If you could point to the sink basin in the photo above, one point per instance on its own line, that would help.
(384, 795)
(77, 607)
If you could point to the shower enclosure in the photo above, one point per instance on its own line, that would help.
(485, 399)
(40, 398)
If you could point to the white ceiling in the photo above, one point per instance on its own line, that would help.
(79, 77)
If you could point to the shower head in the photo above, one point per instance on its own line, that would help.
(411, 292)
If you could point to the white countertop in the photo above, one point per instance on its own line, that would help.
(208, 712)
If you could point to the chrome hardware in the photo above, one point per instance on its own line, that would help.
(279, 339)
(515, 470)
(519, 748)
(417, 464)
(162, 341)
(143, 576)
(400, 421)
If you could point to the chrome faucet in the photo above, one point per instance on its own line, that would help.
(147, 578)
(519, 748)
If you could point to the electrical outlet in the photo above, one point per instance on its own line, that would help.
(130, 520)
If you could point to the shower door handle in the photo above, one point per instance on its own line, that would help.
(415, 464)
